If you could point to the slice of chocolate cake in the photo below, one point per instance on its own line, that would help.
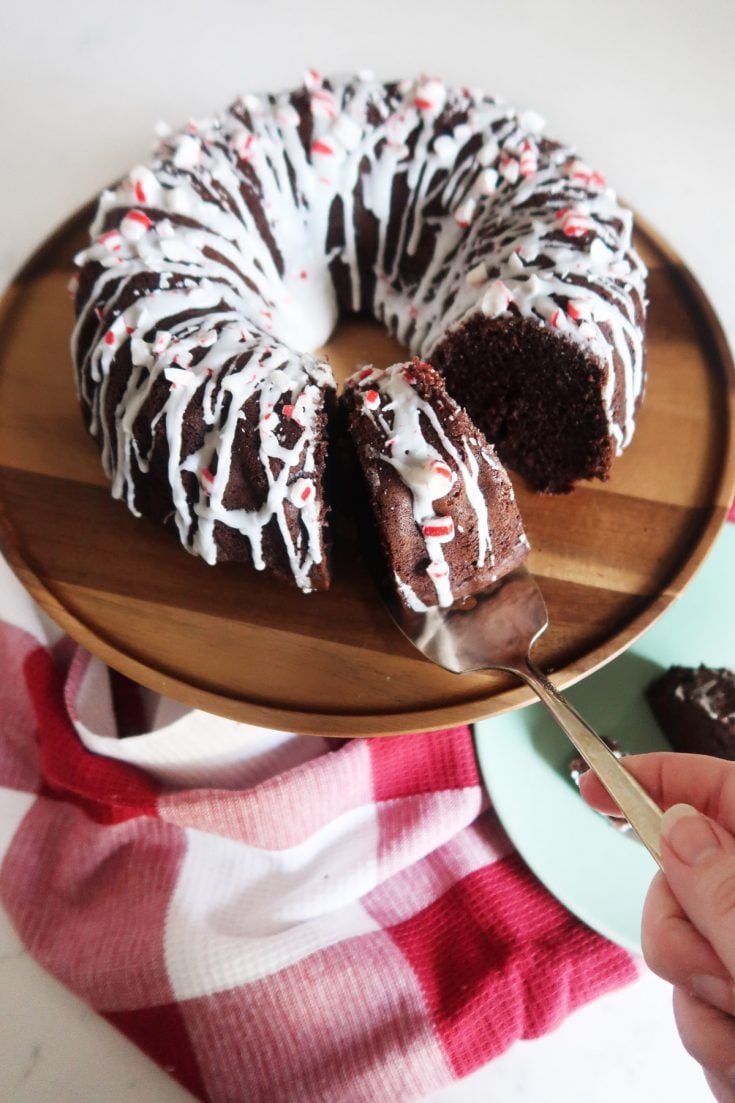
(695, 707)
(443, 505)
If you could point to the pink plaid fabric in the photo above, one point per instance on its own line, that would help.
(273, 917)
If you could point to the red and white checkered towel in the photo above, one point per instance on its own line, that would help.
(271, 917)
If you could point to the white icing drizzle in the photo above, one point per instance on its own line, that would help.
(391, 401)
(254, 220)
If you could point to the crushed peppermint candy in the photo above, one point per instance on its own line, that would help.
(301, 492)
(573, 223)
(579, 309)
(465, 212)
(509, 167)
(438, 528)
(438, 571)
(440, 479)
(322, 146)
(135, 224)
(496, 299)
(323, 103)
(431, 95)
(486, 182)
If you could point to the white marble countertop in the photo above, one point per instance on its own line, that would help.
(647, 92)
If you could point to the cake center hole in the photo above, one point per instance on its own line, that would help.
(357, 341)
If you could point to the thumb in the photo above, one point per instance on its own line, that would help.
(699, 864)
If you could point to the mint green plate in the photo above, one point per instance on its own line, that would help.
(598, 873)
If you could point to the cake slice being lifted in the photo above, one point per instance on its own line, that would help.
(443, 505)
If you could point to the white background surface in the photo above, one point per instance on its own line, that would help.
(646, 90)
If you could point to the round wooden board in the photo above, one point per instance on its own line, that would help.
(609, 557)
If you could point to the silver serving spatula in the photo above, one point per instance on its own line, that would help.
(496, 631)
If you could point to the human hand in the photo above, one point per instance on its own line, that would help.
(688, 931)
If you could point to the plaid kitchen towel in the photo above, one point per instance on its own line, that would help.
(271, 917)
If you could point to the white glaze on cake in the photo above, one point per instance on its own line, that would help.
(422, 203)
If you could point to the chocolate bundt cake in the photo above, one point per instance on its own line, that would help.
(443, 505)
(695, 708)
(216, 270)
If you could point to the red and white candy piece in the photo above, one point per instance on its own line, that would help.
(268, 423)
(297, 411)
(371, 399)
(364, 373)
(146, 189)
(579, 170)
(437, 572)
(135, 225)
(496, 299)
(431, 95)
(438, 528)
(579, 309)
(161, 341)
(509, 167)
(242, 143)
(312, 80)
(180, 357)
(188, 152)
(486, 182)
(440, 479)
(207, 480)
(301, 492)
(324, 103)
(465, 212)
(573, 223)
(558, 319)
(528, 163)
(112, 240)
(322, 147)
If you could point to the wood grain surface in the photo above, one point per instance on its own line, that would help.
(609, 557)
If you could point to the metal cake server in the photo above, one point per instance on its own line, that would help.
(496, 630)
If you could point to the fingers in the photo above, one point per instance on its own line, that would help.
(672, 778)
(720, 1087)
(709, 1036)
(699, 863)
(672, 947)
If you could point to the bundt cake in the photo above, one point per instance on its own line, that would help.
(443, 505)
(695, 708)
(215, 271)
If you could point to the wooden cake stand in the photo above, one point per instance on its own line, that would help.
(610, 557)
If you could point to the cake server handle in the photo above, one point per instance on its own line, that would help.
(639, 809)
